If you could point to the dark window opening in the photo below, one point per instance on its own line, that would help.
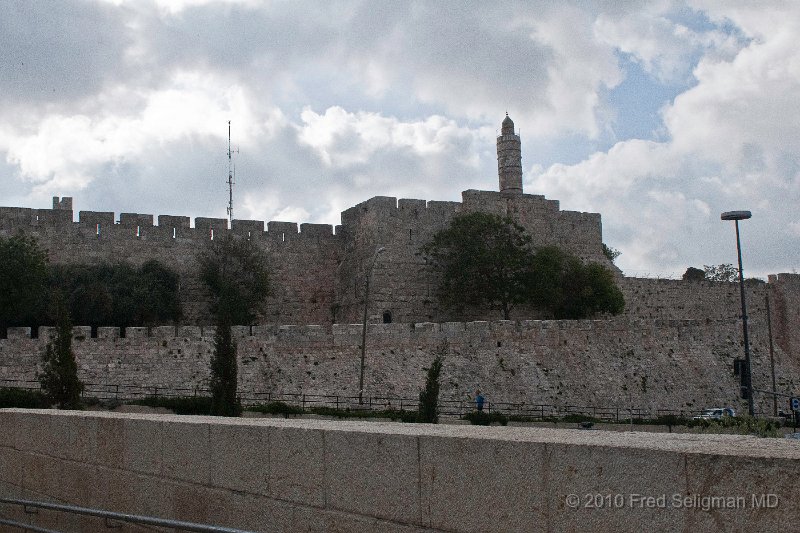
(34, 332)
(387, 317)
(122, 332)
(93, 332)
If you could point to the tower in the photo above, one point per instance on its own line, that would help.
(509, 158)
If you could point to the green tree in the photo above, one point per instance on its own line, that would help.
(566, 288)
(119, 294)
(487, 260)
(694, 274)
(428, 410)
(23, 282)
(484, 259)
(59, 377)
(723, 272)
(235, 273)
(224, 372)
(611, 253)
(156, 294)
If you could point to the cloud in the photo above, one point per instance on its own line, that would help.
(732, 144)
(124, 105)
(57, 53)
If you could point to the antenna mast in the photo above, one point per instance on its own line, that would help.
(231, 172)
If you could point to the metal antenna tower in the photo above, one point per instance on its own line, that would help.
(231, 174)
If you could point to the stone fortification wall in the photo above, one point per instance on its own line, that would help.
(667, 364)
(785, 311)
(402, 284)
(302, 262)
(319, 276)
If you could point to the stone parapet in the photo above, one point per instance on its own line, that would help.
(313, 475)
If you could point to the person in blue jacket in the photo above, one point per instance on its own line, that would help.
(479, 399)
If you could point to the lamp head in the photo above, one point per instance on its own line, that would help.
(736, 215)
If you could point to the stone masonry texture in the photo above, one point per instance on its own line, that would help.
(277, 475)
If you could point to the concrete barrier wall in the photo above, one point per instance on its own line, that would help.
(309, 475)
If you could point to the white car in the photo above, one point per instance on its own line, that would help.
(715, 413)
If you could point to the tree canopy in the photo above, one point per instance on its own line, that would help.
(23, 281)
(485, 260)
(119, 294)
(488, 260)
(236, 275)
(723, 272)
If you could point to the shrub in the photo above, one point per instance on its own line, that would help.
(23, 398)
(276, 408)
(181, 405)
(482, 418)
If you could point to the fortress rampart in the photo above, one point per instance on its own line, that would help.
(666, 364)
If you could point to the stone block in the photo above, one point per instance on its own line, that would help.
(185, 451)
(504, 327)
(107, 333)
(163, 332)
(373, 475)
(240, 332)
(81, 333)
(74, 436)
(143, 445)
(297, 468)
(11, 466)
(482, 484)
(190, 332)
(18, 333)
(136, 333)
(241, 510)
(453, 329)
(239, 457)
(33, 432)
(588, 471)
(426, 328)
(40, 473)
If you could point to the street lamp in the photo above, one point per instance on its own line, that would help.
(736, 216)
(379, 250)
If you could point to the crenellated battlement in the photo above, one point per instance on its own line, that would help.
(339, 334)
(138, 225)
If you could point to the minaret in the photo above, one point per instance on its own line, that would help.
(509, 158)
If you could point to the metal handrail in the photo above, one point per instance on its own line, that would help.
(121, 517)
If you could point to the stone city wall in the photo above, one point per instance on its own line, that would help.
(655, 364)
(315, 475)
(302, 262)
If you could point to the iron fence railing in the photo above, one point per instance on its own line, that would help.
(111, 518)
(111, 392)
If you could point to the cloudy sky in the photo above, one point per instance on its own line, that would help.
(658, 115)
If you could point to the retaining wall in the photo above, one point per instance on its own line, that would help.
(305, 475)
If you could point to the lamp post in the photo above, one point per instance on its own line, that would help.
(378, 251)
(736, 216)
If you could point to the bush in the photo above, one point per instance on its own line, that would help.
(181, 405)
(23, 398)
(482, 418)
(276, 408)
